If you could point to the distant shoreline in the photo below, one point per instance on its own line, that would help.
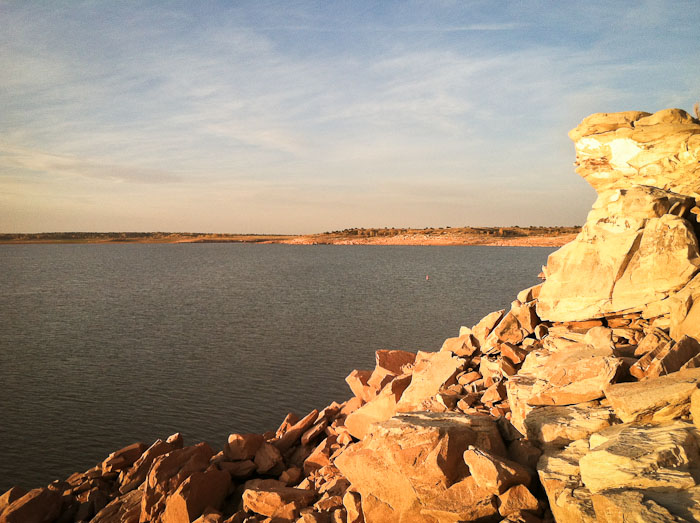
(487, 236)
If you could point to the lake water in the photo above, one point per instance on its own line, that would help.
(105, 345)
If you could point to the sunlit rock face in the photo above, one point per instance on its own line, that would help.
(638, 245)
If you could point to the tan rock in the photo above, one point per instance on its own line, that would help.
(409, 467)
(640, 369)
(431, 372)
(353, 507)
(482, 329)
(559, 426)
(517, 499)
(274, 499)
(12, 494)
(463, 346)
(519, 389)
(123, 458)
(507, 330)
(381, 408)
(695, 407)
(673, 357)
(574, 376)
(196, 493)
(629, 506)
(124, 509)
(243, 446)
(357, 381)
(526, 314)
(641, 457)
(599, 123)
(40, 505)
(379, 378)
(529, 294)
(320, 456)
(524, 453)
(654, 400)
(560, 476)
(133, 477)
(615, 262)
(493, 473)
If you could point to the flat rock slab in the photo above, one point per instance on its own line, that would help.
(642, 457)
(558, 426)
(654, 400)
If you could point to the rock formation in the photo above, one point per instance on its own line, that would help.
(578, 403)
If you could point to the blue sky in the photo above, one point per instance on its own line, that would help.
(300, 116)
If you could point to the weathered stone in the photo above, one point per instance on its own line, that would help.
(274, 499)
(559, 426)
(524, 453)
(618, 150)
(529, 294)
(508, 330)
(357, 381)
(640, 369)
(133, 477)
(482, 329)
(673, 357)
(516, 499)
(615, 262)
(642, 457)
(381, 408)
(293, 435)
(519, 389)
(13, 494)
(167, 473)
(493, 473)
(560, 476)
(629, 506)
(40, 505)
(432, 371)
(654, 400)
(378, 380)
(353, 507)
(243, 446)
(268, 459)
(123, 458)
(124, 509)
(239, 469)
(462, 346)
(574, 376)
(526, 314)
(320, 456)
(197, 492)
(395, 361)
(409, 467)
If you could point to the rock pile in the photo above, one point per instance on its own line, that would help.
(579, 403)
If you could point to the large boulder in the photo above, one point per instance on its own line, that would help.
(410, 468)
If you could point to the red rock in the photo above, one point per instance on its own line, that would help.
(210, 516)
(167, 473)
(494, 473)
(124, 509)
(268, 459)
(526, 315)
(517, 499)
(329, 504)
(320, 457)
(123, 458)
(243, 446)
(395, 361)
(357, 381)
(239, 469)
(377, 381)
(524, 453)
(468, 377)
(351, 406)
(651, 341)
(314, 432)
(40, 505)
(133, 477)
(275, 500)
(289, 420)
(482, 329)
(514, 353)
(294, 433)
(196, 493)
(291, 476)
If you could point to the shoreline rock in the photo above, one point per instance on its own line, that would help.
(580, 402)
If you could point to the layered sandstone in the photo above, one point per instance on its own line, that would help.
(578, 402)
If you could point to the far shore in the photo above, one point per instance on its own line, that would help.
(488, 236)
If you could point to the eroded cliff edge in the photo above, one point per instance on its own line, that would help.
(578, 403)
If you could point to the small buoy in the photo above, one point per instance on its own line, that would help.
(427, 277)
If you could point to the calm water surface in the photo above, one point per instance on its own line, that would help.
(105, 345)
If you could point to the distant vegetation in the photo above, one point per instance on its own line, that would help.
(513, 231)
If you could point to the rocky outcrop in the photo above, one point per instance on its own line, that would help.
(579, 402)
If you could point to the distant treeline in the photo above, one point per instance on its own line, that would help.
(433, 231)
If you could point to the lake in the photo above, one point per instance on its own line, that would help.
(105, 345)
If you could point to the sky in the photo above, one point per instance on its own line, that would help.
(303, 116)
